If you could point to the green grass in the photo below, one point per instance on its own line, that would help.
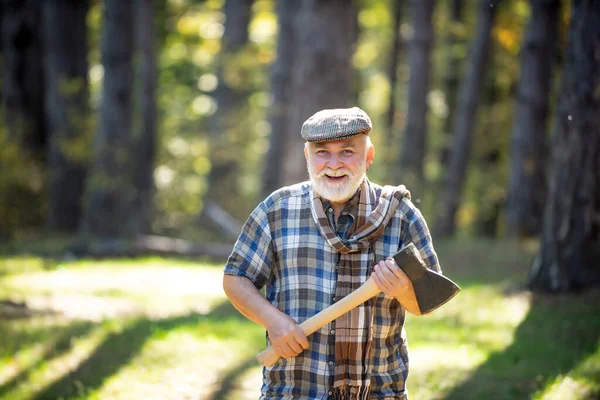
(162, 328)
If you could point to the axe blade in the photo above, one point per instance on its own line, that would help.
(432, 289)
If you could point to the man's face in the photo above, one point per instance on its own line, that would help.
(337, 168)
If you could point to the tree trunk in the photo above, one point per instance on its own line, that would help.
(569, 257)
(281, 91)
(415, 134)
(146, 137)
(66, 67)
(110, 189)
(23, 81)
(454, 44)
(391, 123)
(464, 122)
(527, 188)
(322, 76)
(227, 120)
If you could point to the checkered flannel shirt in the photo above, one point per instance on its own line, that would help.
(280, 247)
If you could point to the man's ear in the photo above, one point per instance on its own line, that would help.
(370, 154)
(306, 151)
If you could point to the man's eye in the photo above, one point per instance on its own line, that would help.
(321, 152)
(347, 152)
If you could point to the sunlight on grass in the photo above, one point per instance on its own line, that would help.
(582, 382)
(160, 328)
(460, 336)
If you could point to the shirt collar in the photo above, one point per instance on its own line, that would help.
(351, 206)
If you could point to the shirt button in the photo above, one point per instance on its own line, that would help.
(337, 267)
(330, 210)
(334, 298)
(330, 393)
(332, 331)
(331, 363)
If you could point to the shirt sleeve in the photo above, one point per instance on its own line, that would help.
(252, 253)
(418, 233)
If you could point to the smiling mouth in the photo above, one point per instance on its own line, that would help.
(335, 178)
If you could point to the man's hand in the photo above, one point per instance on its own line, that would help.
(395, 283)
(286, 337)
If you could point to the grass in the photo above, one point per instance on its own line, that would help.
(158, 328)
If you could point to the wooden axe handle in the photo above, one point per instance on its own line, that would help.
(367, 290)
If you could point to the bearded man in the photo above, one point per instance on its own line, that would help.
(315, 242)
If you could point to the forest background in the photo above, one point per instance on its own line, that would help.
(132, 128)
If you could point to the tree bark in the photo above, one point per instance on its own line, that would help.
(146, 137)
(464, 122)
(226, 123)
(110, 189)
(415, 134)
(23, 81)
(454, 44)
(322, 76)
(66, 68)
(527, 188)
(569, 257)
(394, 61)
(281, 91)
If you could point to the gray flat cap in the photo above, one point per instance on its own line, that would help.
(336, 124)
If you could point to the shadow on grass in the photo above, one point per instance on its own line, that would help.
(61, 345)
(119, 348)
(231, 379)
(557, 333)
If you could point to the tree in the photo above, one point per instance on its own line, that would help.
(569, 256)
(526, 189)
(322, 74)
(464, 122)
(415, 134)
(454, 44)
(67, 109)
(281, 91)
(393, 62)
(23, 81)
(110, 189)
(230, 98)
(146, 136)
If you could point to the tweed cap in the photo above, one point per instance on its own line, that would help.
(336, 124)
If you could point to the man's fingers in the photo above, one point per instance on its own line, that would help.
(395, 269)
(302, 340)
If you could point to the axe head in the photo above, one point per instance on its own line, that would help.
(431, 289)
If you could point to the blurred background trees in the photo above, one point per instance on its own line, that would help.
(176, 117)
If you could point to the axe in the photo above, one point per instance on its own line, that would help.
(432, 290)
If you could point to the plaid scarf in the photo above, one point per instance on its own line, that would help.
(353, 334)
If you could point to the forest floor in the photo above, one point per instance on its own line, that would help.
(161, 328)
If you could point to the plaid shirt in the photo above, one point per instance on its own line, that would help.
(280, 247)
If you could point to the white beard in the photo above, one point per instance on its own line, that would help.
(336, 192)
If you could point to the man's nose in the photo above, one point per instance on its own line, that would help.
(334, 162)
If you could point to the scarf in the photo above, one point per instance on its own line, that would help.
(353, 334)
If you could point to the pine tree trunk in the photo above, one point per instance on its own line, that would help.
(110, 189)
(66, 68)
(454, 44)
(569, 257)
(146, 136)
(527, 188)
(281, 90)
(464, 122)
(415, 134)
(226, 125)
(389, 155)
(322, 76)
(23, 80)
